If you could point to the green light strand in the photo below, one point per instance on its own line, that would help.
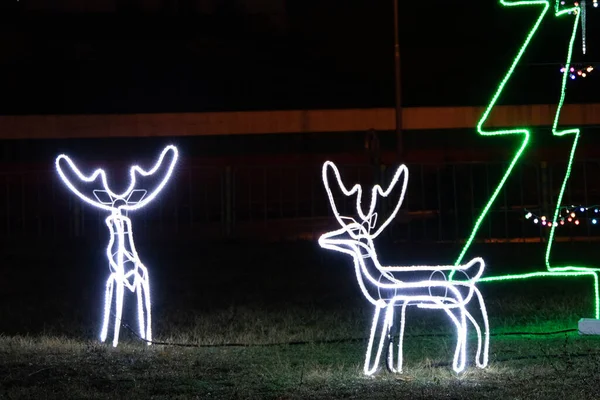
(553, 274)
(577, 133)
(557, 132)
(566, 271)
(519, 131)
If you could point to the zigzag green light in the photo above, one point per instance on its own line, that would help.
(565, 271)
(519, 131)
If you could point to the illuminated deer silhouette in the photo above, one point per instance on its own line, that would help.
(127, 271)
(387, 287)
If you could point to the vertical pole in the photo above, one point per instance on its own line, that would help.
(228, 200)
(399, 141)
(77, 219)
(191, 198)
(546, 200)
(7, 197)
(374, 152)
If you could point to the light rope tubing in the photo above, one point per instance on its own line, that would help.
(565, 271)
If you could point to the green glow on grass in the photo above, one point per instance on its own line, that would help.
(525, 133)
(554, 274)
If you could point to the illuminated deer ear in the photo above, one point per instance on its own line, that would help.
(396, 191)
(80, 184)
(136, 196)
(103, 196)
(331, 177)
(371, 222)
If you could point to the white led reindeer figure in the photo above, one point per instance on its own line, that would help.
(127, 271)
(388, 287)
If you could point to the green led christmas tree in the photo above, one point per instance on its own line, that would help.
(575, 10)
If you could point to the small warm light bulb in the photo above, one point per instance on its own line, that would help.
(543, 218)
(570, 219)
(572, 215)
(576, 222)
(562, 221)
(584, 74)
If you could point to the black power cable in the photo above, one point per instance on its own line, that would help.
(327, 341)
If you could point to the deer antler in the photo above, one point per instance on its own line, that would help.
(81, 184)
(378, 191)
(83, 187)
(170, 154)
(370, 217)
(355, 190)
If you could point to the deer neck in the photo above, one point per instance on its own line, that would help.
(366, 261)
(120, 230)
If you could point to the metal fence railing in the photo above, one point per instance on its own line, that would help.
(441, 205)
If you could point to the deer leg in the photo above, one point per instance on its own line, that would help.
(144, 289)
(458, 316)
(401, 336)
(389, 322)
(378, 327)
(108, 294)
(118, 310)
(140, 306)
(479, 341)
(146, 286)
(483, 342)
(390, 318)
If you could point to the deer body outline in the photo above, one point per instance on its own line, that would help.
(126, 269)
(384, 287)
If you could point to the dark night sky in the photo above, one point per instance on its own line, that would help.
(334, 54)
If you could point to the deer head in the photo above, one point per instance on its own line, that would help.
(367, 227)
(87, 187)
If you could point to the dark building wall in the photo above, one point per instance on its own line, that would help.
(275, 10)
(162, 56)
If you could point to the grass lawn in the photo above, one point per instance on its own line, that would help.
(324, 361)
(249, 337)
(566, 367)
